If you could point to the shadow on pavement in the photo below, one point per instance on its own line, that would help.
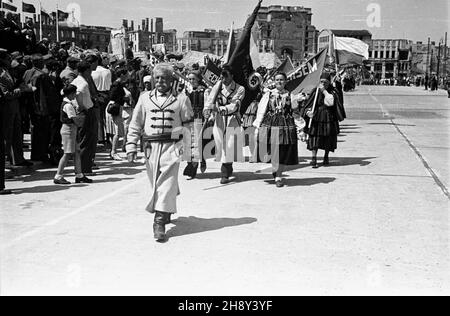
(46, 189)
(409, 125)
(193, 225)
(266, 173)
(304, 182)
(349, 128)
(110, 180)
(116, 170)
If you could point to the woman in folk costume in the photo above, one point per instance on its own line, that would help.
(248, 119)
(159, 117)
(279, 126)
(224, 101)
(114, 119)
(324, 128)
(198, 96)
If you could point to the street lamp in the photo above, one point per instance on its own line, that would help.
(439, 59)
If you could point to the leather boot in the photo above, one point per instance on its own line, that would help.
(159, 227)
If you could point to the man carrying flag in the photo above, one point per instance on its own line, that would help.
(231, 96)
(224, 103)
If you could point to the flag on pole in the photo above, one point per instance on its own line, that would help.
(9, 7)
(241, 61)
(62, 16)
(307, 77)
(350, 51)
(28, 8)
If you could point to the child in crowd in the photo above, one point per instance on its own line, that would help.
(71, 119)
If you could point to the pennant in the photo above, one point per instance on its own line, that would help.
(180, 83)
(212, 73)
(306, 77)
(287, 67)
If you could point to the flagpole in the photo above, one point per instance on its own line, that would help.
(336, 60)
(21, 12)
(57, 23)
(228, 53)
(40, 21)
(313, 110)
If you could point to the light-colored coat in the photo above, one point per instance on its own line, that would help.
(230, 98)
(156, 117)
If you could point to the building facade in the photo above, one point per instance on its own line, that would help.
(431, 60)
(149, 33)
(286, 31)
(390, 58)
(86, 37)
(208, 41)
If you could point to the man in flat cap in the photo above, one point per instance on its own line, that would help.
(70, 72)
(38, 80)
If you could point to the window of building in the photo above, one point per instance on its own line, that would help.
(73, 34)
(378, 67)
(376, 54)
(370, 54)
(393, 54)
(390, 67)
(387, 54)
(381, 54)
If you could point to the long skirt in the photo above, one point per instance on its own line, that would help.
(277, 140)
(286, 155)
(163, 163)
(114, 125)
(324, 130)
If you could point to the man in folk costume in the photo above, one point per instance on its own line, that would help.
(159, 117)
(224, 101)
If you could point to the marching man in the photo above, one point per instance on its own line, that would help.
(159, 117)
(225, 101)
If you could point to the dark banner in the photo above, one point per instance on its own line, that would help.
(28, 8)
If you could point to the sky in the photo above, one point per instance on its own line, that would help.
(410, 19)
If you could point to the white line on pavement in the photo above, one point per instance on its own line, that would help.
(425, 163)
(71, 214)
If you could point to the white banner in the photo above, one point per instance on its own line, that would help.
(352, 45)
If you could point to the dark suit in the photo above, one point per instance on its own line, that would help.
(12, 124)
(2, 145)
(40, 120)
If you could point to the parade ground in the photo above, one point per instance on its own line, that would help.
(374, 222)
